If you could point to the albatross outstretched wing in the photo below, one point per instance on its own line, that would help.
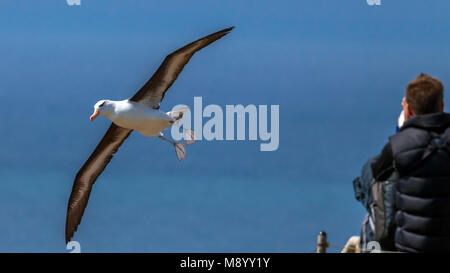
(152, 93)
(87, 175)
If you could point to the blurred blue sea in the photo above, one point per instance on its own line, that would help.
(337, 69)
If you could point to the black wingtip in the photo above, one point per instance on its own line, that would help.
(229, 29)
(219, 34)
(68, 236)
(224, 31)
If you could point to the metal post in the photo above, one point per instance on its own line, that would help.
(322, 243)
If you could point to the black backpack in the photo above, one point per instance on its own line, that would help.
(378, 197)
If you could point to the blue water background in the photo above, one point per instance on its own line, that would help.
(338, 70)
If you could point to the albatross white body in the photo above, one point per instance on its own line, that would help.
(137, 116)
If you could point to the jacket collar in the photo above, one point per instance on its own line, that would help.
(434, 121)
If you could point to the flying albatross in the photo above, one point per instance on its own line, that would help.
(140, 113)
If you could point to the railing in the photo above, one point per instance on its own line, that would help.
(352, 245)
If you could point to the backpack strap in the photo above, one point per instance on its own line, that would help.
(438, 142)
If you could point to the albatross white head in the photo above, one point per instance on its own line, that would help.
(102, 108)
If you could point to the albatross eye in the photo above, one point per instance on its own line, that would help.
(101, 104)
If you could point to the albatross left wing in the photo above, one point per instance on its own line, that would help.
(87, 175)
(152, 93)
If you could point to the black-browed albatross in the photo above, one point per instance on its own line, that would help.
(140, 113)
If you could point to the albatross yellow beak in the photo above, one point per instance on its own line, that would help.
(94, 115)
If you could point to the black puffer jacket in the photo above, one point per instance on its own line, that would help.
(421, 152)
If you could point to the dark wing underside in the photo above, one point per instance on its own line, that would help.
(87, 175)
(152, 93)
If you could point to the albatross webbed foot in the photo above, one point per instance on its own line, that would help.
(179, 148)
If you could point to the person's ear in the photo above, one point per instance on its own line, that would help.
(410, 112)
(443, 107)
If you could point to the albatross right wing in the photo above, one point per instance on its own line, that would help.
(152, 93)
(87, 175)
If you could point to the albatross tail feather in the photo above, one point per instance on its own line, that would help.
(177, 115)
